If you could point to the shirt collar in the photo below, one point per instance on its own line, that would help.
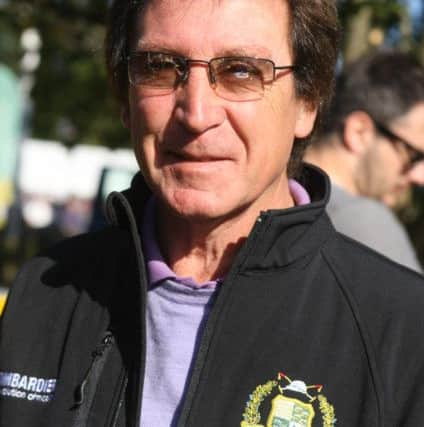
(299, 193)
(158, 270)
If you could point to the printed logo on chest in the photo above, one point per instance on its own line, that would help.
(30, 388)
(293, 404)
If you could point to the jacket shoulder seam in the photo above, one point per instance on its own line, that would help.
(363, 332)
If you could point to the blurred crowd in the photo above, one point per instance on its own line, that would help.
(56, 192)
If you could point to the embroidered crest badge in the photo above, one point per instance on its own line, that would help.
(292, 405)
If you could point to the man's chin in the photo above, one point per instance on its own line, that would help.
(195, 205)
(202, 207)
(398, 199)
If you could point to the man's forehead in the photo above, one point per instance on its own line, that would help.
(178, 3)
(223, 27)
(410, 126)
(414, 114)
(413, 118)
(207, 5)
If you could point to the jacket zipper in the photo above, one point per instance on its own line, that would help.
(123, 387)
(215, 318)
(140, 365)
(84, 394)
(140, 362)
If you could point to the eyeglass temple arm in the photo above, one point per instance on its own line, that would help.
(285, 67)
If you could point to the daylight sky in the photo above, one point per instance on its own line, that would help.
(417, 9)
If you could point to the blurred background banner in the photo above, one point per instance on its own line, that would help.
(62, 144)
(10, 133)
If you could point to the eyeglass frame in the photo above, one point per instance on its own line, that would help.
(211, 76)
(415, 155)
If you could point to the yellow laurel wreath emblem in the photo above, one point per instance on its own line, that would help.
(251, 415)
(327, 410)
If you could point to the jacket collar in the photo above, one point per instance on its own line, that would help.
(278, 238)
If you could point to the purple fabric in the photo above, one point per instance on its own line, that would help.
(175, 319)
(177, 310)
(299, 193)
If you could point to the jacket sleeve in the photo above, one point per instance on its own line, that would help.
(28, 359)
(395, 321)
(403, 365)
(388, 300)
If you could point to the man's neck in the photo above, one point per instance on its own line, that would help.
(205, 249)
(202, 257)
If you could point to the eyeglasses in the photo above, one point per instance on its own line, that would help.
(414, 155)
(235, 78)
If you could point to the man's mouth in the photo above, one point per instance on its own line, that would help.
(195, 158)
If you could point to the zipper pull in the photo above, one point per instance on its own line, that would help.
(96, 354)
(79, 392)
(106, 341)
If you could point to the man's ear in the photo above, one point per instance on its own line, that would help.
(125, 116)
(305, 120)
(358, 132)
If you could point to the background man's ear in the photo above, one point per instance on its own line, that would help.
(125, 116)
(358, 132)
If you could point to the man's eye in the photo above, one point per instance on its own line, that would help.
(159, 64)
(154, 70)
(240, 71)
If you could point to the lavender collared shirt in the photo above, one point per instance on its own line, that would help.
(177, 310)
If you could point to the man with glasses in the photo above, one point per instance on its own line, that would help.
(220, 295)
(372, 146)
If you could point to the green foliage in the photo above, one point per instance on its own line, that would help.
(385, 13)
(71, 99)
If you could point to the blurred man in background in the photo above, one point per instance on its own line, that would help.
(372, 147)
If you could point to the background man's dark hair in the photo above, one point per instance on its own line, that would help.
(386, 85)
(314, 41)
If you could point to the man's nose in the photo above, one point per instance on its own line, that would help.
(416, 174)
(198, 108)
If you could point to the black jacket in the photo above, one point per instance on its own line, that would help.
(302, 305)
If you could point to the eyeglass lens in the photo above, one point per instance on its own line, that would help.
(234, 78)
(414, 155)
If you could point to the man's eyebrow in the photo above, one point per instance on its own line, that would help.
(251, 51)
(155, 47)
